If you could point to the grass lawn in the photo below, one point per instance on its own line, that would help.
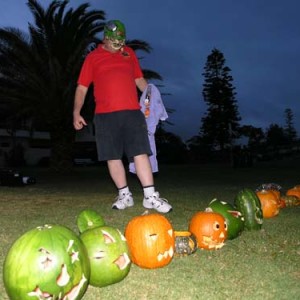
(261, 264)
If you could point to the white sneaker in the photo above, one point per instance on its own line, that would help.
(160, 204)
(123, 201)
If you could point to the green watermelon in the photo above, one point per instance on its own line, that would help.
(108, 253)
(48, 262)
(233, 217)
(88, 219)
(248, 203)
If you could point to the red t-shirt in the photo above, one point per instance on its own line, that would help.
(113, 76)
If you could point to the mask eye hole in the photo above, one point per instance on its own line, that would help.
(111, 26)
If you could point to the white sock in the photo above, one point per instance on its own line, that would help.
(124, 191)
(148, 191)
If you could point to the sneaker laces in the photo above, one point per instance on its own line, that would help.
(157, 198)
(123, 197)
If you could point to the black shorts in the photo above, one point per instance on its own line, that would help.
(121, 133)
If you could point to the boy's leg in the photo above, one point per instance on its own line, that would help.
(118, 175)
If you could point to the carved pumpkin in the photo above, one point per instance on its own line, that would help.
(269, 203)
(108, 254)
(151, 240)
(210, 229)
(295, 191)
(273, 188)
(185, 243)
(282, 203)
(48, 262)
(276, 193)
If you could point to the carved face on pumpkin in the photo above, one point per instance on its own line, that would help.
(50, 262)
(108, 253)
(210, 230)
(151, 240)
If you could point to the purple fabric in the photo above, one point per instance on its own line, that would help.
(157, 113)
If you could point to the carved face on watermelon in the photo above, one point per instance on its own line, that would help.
(258, 215)
(48, 262)
(234, 219)
(210, 230)
(108, 254)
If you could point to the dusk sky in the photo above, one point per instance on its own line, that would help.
(260, 40)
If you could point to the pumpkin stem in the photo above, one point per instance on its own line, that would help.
(208, 209)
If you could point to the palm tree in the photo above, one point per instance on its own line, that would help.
(39, 69)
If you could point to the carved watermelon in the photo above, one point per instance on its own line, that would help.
(48, 262)
(108, 253)
(249, 205)
(88, 219)
(233, 217)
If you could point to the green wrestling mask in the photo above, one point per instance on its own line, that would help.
(115, 33)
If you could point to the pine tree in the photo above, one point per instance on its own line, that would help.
(275, 136)
(221, 121)
(289, 128)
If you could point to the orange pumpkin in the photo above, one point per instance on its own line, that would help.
(273, 188)
(277, 194)
(209, 228)
(151, 240)
(282, 203)
(295, 191)
(269, 203)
